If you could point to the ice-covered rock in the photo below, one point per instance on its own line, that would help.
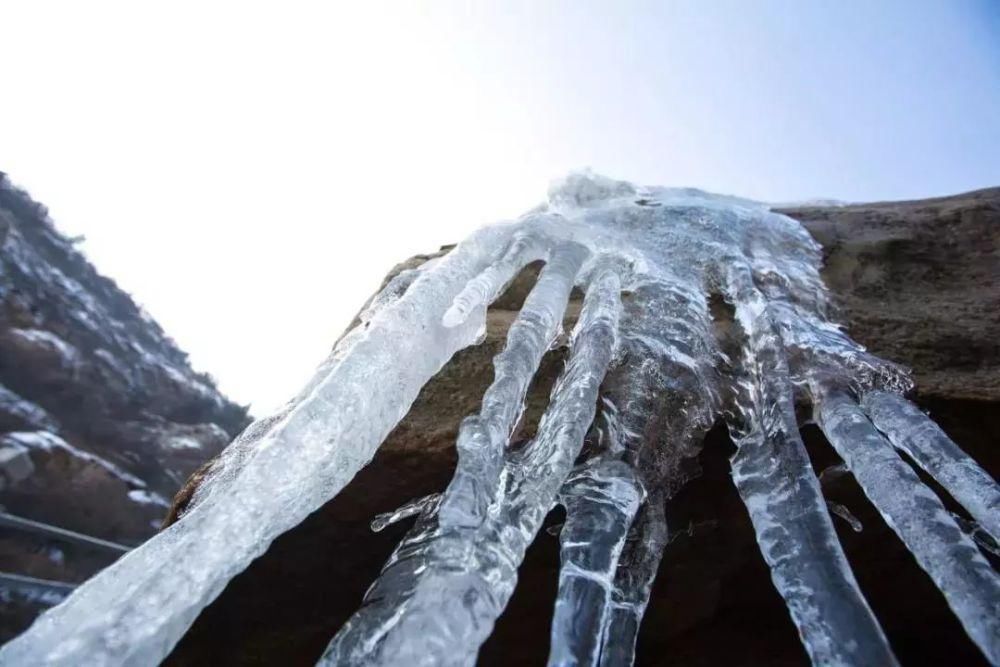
(645, 379)
(712, 601)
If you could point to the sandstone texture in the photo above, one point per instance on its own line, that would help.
(919, 283)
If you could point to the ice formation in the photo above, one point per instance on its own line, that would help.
(696, 308)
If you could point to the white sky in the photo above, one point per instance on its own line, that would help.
(250, 171)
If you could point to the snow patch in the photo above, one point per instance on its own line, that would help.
(47, 442)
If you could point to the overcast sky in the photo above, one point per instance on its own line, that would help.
(250, 171)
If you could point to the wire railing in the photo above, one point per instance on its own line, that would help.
(47, 592)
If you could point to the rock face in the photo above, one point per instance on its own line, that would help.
(918, 282)
(101, 417)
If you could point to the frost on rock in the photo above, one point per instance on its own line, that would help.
(48, 442)
(651, 368)
(40, 592)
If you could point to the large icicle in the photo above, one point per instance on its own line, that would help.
(394, 289)
(952, 560)
(775, 479)
(658, 402)
(662, 396)
(441, 591)
(135, 611)
(637, 568)
(601, 499)
(487, 286)
(912, 432)
(483, 438)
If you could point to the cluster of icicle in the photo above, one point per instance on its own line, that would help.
(646, 377)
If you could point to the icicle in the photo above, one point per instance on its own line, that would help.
(601, 498)
(969, 584)
(637, 568)
(573, 403)
(773, 475)
(912, 432)
(440, 593)
(662, 397)
(844, 513)
(134, 611)
(483, 438)
(832, 473)
(487, 286)
(395, 289)
(797, 539)
(412, 508)
(657, 404)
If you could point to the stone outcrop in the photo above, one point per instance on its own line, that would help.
(917, 283)
(101, 416)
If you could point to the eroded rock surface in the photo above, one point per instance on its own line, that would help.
(918, 283)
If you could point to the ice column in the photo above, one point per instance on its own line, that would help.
(952, 560)
(483, 438)
(773, 475)
(912, 432)
(601, 498)
(440, 593)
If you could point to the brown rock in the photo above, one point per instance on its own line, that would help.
(918, 284)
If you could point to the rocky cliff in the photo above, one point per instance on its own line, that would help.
(101, 417)
(916, 281)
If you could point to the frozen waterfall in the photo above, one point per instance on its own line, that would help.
(649, 371)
